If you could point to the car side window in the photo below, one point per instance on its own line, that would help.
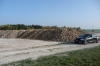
(94, 35)
(90, 35)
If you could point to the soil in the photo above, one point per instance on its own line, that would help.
(18, 49)
(59, 35)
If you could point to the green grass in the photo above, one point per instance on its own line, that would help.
(84, 57)
(95, 30)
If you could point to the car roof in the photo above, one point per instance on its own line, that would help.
(87, 34)
(90, 34)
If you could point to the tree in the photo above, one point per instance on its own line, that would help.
(63, 27)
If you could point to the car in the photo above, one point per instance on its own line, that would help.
(87, 38)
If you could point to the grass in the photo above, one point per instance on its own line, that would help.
(95, 30)
(84, 57)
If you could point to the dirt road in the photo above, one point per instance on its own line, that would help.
(18, 49)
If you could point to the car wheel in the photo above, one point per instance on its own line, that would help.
(85, 42)
(97, 41)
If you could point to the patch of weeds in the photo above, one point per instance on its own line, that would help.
(26, 62)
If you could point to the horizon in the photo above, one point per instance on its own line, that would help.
(84, 14)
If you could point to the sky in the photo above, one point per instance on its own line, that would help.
(69, 13)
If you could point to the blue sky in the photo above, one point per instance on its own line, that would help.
(69, 13)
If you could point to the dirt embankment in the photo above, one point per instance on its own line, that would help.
(61, 35)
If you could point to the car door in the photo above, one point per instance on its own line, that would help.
(90, 38)
(95, 37)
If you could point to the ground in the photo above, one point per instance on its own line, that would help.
(19, 49)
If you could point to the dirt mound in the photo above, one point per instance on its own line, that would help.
(61, 35)
(8, 33)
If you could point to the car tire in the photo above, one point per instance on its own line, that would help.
(85, 42)
(97, 41)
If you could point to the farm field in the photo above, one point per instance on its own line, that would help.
(12, 50)
(95, 30)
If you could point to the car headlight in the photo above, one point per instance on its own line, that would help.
(82, 39)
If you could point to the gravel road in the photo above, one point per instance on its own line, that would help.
(18, 49)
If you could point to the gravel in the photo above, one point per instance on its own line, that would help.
(18, 49)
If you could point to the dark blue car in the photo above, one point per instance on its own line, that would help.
(86, 38)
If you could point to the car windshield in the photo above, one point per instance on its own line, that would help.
(84, 35)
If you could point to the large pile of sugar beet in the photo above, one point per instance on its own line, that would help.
(60, 35)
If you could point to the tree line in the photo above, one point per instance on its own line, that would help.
(19, 27)
(31, 27)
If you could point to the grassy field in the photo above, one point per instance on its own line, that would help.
(84, 57)
(95, 30)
